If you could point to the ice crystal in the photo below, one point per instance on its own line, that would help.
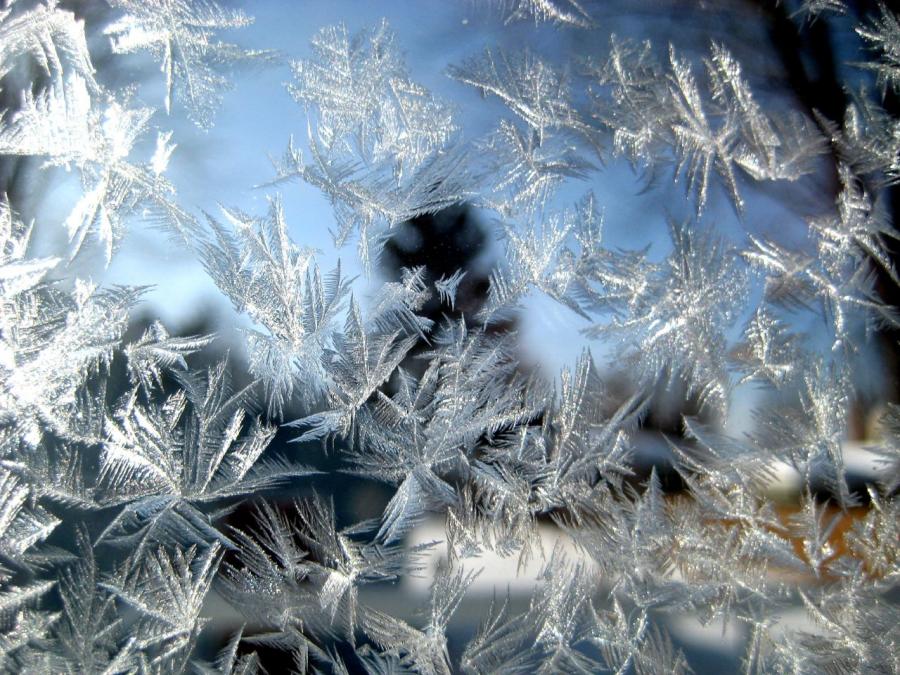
(528, 86)
(883, 36)
(627, 642)
(447, 287)
(167, 591)
(156, 351)
(841, 279)
(21, 527)
(381, 145)
(289, 567)
(423, 649)
(810, 437)
(229, 661)
(676, 312)
(649, 107)
(88, 637)
(527, 163)
(528, 171)
(52, 340)
(816, 7)
(66, 125)
(768, 352)
(124, 464)
(166, 462)
(563, 12)
(54, 38)
(360, 362)
(557, 257)
(180, 35)
(280, 287)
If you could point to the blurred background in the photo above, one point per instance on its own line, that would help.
(792, 61)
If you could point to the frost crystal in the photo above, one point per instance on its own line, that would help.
(564, 12)
(447, 287)
(167, 461)
(140, 491)
(180, 35)
(381, 146)
(883, 36)
(64, 125)
(279, 286)
(677, 312)
(52, 37)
